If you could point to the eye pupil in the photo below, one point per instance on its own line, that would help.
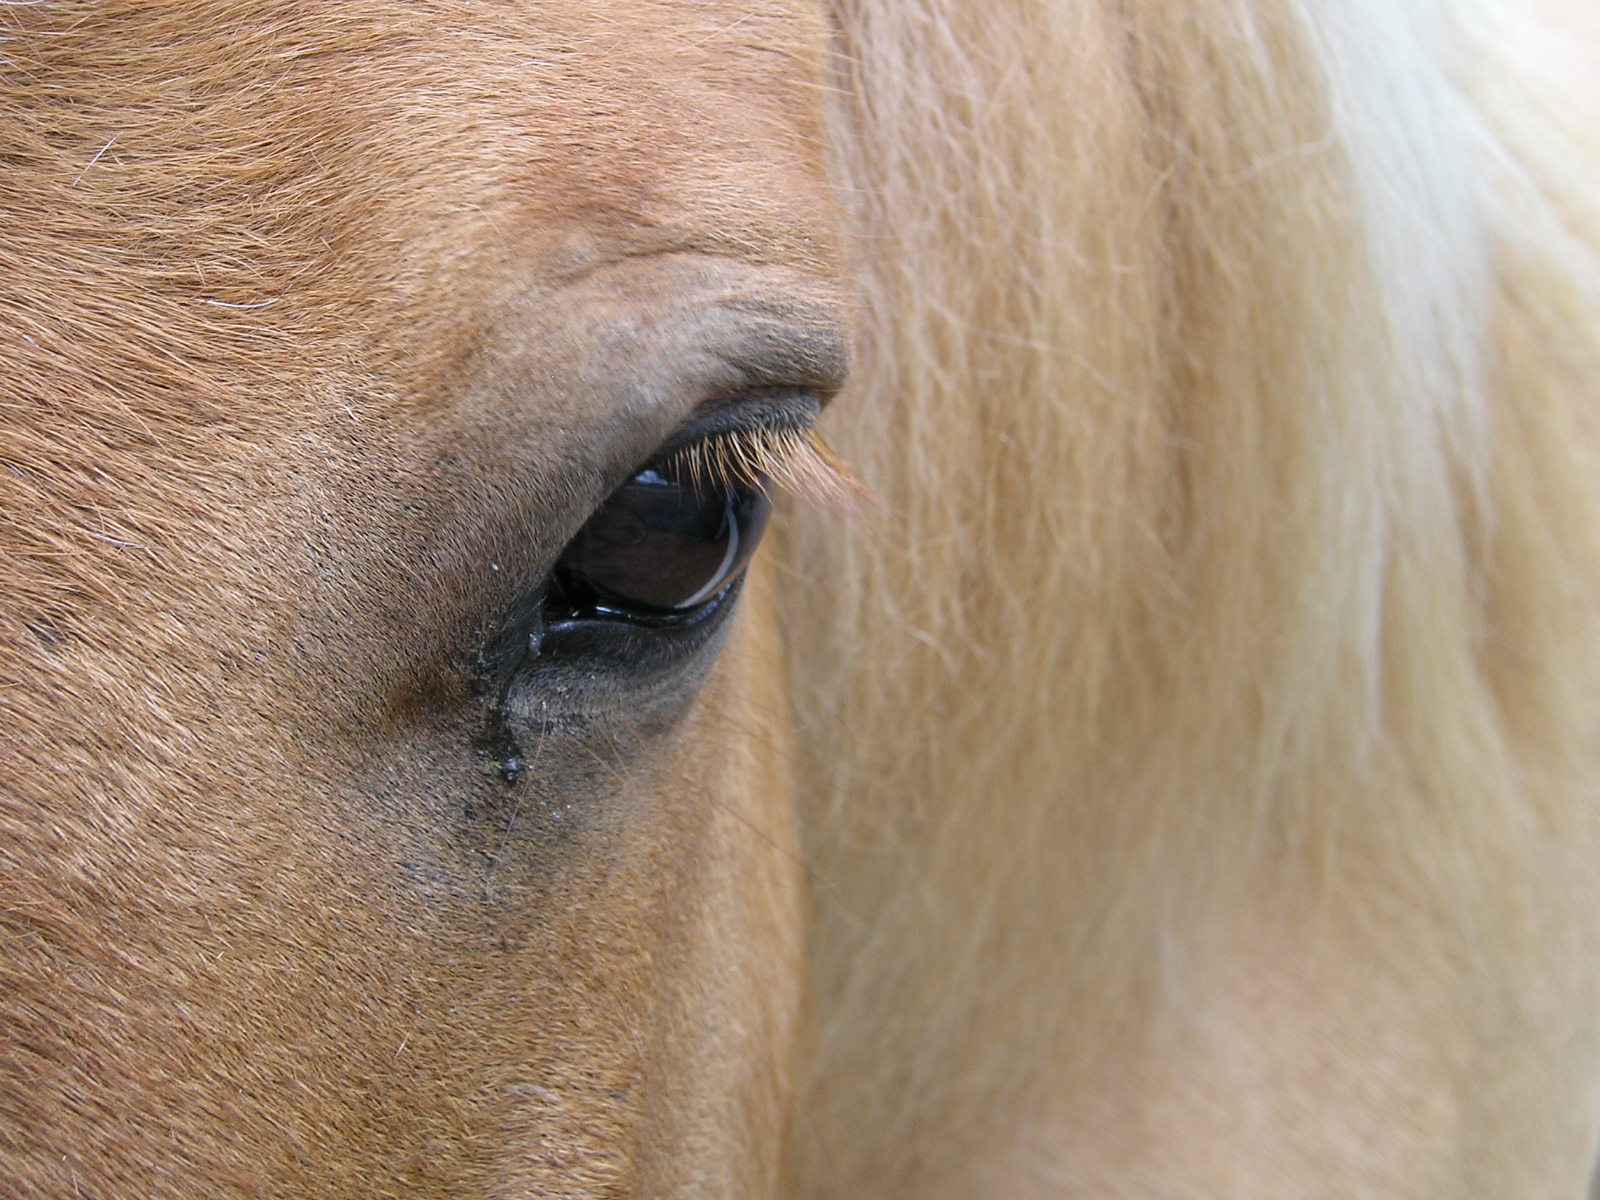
(621, 529)
(662, 546)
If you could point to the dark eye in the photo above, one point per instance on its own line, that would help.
(662, 548)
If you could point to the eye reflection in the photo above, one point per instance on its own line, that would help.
(663, 545)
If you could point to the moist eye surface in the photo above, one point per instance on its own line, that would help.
(663, 545)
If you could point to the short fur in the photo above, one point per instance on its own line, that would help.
(303, 383)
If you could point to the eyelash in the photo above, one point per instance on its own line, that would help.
(784, 458)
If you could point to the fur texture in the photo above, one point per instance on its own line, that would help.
(323, 327)
(1195, 738)
(1227, 378)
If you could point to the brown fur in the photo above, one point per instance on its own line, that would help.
(1196, 733)
(283, 285)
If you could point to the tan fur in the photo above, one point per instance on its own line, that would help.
(1194, 738)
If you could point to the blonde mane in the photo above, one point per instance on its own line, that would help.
(1229, 600)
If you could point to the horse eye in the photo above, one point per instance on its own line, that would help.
(661, 547)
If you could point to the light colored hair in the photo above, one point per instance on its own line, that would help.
(1225, 384)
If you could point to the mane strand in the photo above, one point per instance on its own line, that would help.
(1224, 378)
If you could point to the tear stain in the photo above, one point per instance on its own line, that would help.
(498, 664)
(498, 747)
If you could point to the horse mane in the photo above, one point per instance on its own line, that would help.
(1223, 386)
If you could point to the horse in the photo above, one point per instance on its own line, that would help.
(1153, 756)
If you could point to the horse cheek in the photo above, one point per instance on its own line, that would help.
(732, 1008)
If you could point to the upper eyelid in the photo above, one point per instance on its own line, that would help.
(749, 411)
(785, 343)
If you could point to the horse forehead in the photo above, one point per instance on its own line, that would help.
(666, 122)
(660, 124)
(286, 188)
